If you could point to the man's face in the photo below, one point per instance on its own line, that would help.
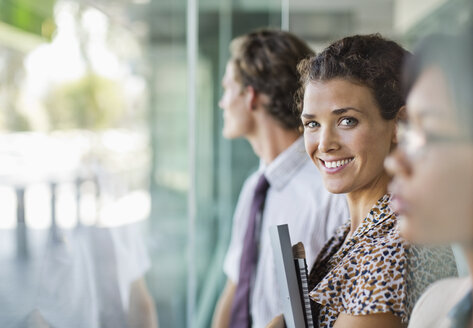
(237, 112)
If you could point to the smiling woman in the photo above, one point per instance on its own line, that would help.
(345, 135)
(350, 104)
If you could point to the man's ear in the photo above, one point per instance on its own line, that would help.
(251, 97)
(401, 117)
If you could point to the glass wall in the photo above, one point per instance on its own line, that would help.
(188, 256)
(110, 134)
(220, 166)
(74, 165)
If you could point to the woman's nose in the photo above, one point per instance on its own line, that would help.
(328, 141)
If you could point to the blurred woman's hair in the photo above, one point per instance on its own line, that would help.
(454, 56)
(368, 60)
(267, 61)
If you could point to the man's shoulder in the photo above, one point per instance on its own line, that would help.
(307, 173)
(307, 194)
(309, 181)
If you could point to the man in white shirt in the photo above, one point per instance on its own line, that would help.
(259, 86)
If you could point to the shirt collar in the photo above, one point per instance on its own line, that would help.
(280, 171)
(460, 314)
(377, 216)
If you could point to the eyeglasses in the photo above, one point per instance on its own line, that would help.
(415, 142)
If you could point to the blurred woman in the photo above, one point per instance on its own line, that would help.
(433, 169)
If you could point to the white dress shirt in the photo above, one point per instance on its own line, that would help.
(296, 197)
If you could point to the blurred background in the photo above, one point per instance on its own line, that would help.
(109, 118)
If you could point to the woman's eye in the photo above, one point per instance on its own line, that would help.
(311, 124)
(349, 121)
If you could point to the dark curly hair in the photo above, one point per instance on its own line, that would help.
(369, 60)
(267, 61)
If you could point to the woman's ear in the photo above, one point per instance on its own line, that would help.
(400, 118)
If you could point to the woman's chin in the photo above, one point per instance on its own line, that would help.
(335, 188)
(410, 229)
(406, 230)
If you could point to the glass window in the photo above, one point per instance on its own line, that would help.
(112, 172)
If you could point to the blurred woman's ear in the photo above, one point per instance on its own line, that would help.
(401, 114)
(401, 117)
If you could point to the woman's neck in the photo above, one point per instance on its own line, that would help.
(362, 200)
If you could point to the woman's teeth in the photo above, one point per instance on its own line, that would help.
(337, 163)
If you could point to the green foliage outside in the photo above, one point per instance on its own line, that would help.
(92, 102)
(31, 16)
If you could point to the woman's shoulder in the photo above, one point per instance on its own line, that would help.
(368, 279)
(454, 285)
(434, 305)
(368, 272)
(381, 235)
(381, 224)
(449, 290)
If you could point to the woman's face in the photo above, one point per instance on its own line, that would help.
(345, 135)
(433, 167)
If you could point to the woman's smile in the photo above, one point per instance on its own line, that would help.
(333, 166)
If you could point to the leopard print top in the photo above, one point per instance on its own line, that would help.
(374, 271)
